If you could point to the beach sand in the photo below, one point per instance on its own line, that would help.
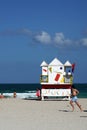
(18, 114)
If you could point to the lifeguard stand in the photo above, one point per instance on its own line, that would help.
(56, 79)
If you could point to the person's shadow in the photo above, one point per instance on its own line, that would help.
(70, 111)
(84, 116)
(64, 111)
(84, 110)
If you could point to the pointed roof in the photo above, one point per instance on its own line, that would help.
(44, 64)
(55, 62)
(67, 63)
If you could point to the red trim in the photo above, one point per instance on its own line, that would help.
(56, 86)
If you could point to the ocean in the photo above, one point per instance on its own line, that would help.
(22, 90)
(29, 90)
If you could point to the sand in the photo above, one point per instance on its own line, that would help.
(18, 114)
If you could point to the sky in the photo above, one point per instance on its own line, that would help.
(35, 30)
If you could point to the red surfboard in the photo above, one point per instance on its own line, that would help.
(57, 77)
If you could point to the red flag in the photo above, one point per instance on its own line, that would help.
(73, 67)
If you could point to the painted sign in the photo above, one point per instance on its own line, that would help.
(56, 92)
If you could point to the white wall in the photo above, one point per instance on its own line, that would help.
(52, 75)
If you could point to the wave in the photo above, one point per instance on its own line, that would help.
(28, 94)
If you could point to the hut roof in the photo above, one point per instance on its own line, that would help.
(44, 64)
(55, 62)
(67, 63)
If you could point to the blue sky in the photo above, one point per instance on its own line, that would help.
(35, 30)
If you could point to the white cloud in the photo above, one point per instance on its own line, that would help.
(59, 39)
(17, 32)
(43, 37)
(84, 41)
(25, 31)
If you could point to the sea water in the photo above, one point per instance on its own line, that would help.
(22, 90)
(29, 90)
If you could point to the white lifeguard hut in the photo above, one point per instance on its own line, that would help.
(56, 79)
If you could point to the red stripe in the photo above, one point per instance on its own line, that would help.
(56, 86)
